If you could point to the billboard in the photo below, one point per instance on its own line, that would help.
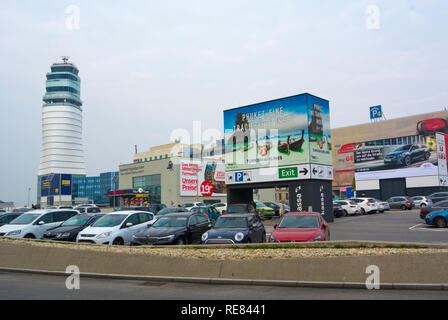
(283, 133)
(56, 184)
(412, 156)
(202, 179)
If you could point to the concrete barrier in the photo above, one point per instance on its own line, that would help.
(344, 271)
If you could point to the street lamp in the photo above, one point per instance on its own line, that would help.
(29, 190)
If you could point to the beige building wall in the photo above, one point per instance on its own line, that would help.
(170, 183)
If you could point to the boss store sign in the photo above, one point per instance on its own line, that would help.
(312, 196)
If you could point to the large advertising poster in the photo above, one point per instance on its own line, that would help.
(202, 179)
(279, 133)
(56, 184)
(442, 146)
(412, 156)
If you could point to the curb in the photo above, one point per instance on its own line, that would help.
(223, 281)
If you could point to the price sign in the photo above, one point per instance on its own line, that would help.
(206, 189)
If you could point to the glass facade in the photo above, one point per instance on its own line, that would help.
(152, 184)
(95, 188)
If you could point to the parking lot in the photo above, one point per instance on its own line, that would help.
(394, 225)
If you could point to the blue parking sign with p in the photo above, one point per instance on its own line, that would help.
(376, 112)
(239, 177)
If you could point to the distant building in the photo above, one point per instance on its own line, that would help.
(94, 189)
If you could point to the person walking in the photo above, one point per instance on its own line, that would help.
(282, 209)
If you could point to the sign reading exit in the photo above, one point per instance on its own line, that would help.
(376, 112)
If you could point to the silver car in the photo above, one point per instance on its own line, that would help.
(421, 201)
(382, 206)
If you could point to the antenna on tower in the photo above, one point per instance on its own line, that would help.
(65, 58)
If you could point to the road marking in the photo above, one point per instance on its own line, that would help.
(427, 228)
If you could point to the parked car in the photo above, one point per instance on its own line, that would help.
(221, 207)
(420, 201)
(2, 211)
(6, 218)
(209, 211)
(349, 207)
(337, 210)
(407, 154)
(176, 228)
(33, 224)
(189, 205)
(22, 210)
(170, 210)
(301, 227)
(116, 228)
(276, 206)
(156, 207)
(60, 207)
(402, 203)
(433, 207)
(88, 210)
(438, 196)
(367, 205)
(382, 205)
(236, 228)
(437, 218)
(264, 211)
(240, 209)
(69, 229)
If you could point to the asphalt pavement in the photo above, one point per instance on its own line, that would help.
(33, 286)
(393, 225)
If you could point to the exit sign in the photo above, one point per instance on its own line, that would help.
(288, 173)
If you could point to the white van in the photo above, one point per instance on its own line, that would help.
(33, 224)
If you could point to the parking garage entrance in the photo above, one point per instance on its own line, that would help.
(304, 195)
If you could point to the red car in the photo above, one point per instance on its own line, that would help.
(301, 227)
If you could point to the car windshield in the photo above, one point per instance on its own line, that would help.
(404, 148)
(353, 203)
(188, 204)
(170, 222)
(199, 210)
(237, 209)
(299, 222)
(75, 221)
(25, 219)
(231, 222)
(111, 220)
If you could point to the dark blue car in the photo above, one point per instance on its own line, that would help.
(209, 211)
(236, 228)
(438, 219)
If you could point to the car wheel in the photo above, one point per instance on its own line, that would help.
(345, 213)
(382, 211)
(403, 207)
(427, 155)
(440, 222)
(118, 242)
(180, 242)
(30, 236)
(363, 212)
(407, 161)
(422, 205)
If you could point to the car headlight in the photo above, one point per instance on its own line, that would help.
(65, 235)
(274, 239)
(239, 236)
(14, 233)
(104, 235)
(204, 236)
(429, 216)
(317, 238)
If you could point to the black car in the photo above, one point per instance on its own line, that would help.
(8, 217)
(240, 209)
(171, 210)
(174, 228)
(68, 231)
(86, 210)
(433, 207)
(236, 228)
(337, 210)
(155, 208)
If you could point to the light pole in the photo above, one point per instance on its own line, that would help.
(29, 190)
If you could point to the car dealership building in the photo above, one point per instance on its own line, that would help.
(403, 156)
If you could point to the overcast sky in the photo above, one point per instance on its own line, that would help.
(149, 67)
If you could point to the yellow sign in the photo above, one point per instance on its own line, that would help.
(141, 195)
(66, 182)
(56, 190)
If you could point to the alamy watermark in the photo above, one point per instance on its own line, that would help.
(373, 17)
(373, 280)
(72, 282)
(73, 22)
